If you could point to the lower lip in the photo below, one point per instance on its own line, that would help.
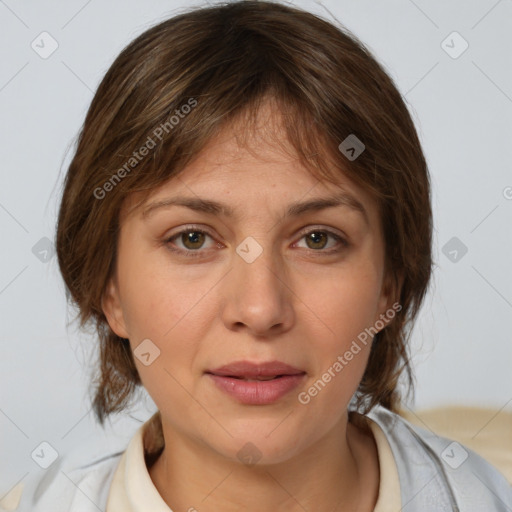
(257, 392)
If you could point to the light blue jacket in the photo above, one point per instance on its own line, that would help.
(436, 475)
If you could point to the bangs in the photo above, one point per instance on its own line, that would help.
(265, 120)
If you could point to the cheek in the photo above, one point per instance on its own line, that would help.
(173, 309)
(163, 308)
(341, 346)
(344, 304)
(157, 297)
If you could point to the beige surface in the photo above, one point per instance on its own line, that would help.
(488, 432)
(11, 500)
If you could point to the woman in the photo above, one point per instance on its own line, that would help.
(247, 222)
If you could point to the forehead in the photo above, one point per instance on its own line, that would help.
(252, 159)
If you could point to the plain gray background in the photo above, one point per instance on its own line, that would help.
(462, 105)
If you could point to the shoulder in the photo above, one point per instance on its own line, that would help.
(69, 487)
(435, 471)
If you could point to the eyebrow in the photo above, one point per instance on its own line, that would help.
(294, 209)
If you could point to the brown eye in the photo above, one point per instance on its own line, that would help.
(190, 242)
(316, 239)
(192, 239)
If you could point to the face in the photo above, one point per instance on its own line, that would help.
(198, 287)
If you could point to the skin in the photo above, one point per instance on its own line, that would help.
(295, 303)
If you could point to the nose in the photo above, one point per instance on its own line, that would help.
(257, 295)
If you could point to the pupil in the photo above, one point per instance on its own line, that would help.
(193, 237)
(316, 237)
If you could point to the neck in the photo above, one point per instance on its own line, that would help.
(338, 472)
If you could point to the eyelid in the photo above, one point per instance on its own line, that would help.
(340, 238)
(184, 229)
(190, 227)
(308, 229)
(319, 227)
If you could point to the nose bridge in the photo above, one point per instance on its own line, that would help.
(258, 270)
(259, 295)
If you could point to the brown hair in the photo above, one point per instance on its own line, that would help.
(222, 62)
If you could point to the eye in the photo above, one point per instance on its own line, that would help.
(317, 240)
(191, 239)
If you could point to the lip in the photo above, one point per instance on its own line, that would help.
(231, 379)
(248, 369)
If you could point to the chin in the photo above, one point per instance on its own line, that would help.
(256, 449)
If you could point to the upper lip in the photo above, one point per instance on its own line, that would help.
(250, 369)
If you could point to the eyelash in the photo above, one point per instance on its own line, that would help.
(198, 252)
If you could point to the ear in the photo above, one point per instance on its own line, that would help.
(111, 306)
(389, 298)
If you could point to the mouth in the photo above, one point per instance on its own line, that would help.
(257, 383)
(255, 379)
(249, 371)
